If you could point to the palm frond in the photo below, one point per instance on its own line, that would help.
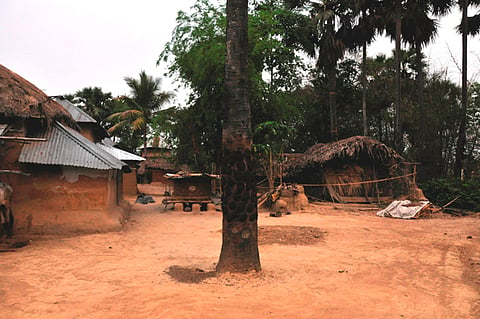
(125, 115)
(138, 124)
(117, 127)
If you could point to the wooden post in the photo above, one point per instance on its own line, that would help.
(414, 177)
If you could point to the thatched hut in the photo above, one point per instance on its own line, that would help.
(21, 100)
(345, 171)
(62, 182)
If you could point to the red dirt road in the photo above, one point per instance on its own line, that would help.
(327, 262)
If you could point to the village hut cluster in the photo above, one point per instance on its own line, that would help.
(61, 173)
(358, 169)
(158, 163)
(65, 173)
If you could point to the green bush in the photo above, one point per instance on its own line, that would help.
(441, 191)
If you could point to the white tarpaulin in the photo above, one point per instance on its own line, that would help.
(403, 209)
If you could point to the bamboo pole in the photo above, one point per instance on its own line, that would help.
(18, 138)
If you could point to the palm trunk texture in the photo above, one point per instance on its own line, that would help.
(364, 89)
(332, 98)
(239, 251)
(461, 141)
(398, 94)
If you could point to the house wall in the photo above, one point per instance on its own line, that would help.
(130, 183)
(56, 200)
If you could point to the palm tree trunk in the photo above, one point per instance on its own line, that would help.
(332, 86)
(424, 156)
(239, 251)
(420, 81)
(461, 141)
(364, 89)
(398, 32)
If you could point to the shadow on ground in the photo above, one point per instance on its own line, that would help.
(189, 274)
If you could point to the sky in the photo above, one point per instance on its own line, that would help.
(62, 46)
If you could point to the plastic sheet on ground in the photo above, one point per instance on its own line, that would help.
(144, 199)
(404, 209)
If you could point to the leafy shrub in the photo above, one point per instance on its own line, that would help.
(442, 191)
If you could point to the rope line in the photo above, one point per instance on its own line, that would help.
(364, 182)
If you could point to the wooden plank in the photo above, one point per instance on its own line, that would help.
(7, 171)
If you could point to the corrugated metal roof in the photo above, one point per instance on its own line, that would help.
(77, 113)
(120, 154)
(67, 147)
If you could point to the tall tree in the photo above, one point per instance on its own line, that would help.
(465, 30)
(94, 101)
(419, 28)
(398, 88)
(330, 50)
(196, 57)
(145, 101)
(366, 24)
(239, 251)
(392, 13)
(412, 22)
(330, 18)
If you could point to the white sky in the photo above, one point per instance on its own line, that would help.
(62, 46)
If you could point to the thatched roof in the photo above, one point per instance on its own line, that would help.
(21, 99)
(349, 148)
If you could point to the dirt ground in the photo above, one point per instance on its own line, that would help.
(332, 261)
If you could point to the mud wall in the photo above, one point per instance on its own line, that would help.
(63, 200)
(130, 183)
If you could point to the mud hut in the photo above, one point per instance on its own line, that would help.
(89, 127)
(21, 101)
(62, 182)
(93, 131)
(158, 163)
(356, 169)
(134, 161)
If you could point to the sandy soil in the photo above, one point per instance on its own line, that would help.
(333, 261)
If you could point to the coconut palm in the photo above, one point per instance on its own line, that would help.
(145, 101)
(239, 251)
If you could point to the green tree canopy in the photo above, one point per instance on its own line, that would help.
(145, 101)
(196, 57)
(94, 101)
